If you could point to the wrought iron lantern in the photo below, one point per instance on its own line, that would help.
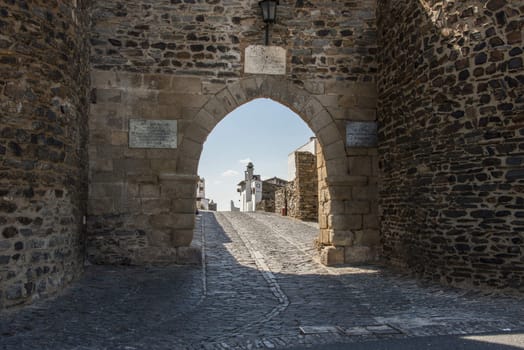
(269, 14)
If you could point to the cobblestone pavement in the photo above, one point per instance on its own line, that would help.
(260, 287)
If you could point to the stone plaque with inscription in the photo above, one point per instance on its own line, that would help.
(261, 59)
(152, 133)
(361, 134)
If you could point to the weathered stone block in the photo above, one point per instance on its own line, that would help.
(345, 222)
(227, 100)
(159, 237)
(323, 221)
(205, 120)
(108, 95)
(181, 238)
(160, 165)
(341, 237)
(154, 205)
(371, 221)
(329, 100)
(311, 109)
(360, 165)
(181, 205)
(164, 154)
(99, 206)
(330, 256)
(185, 100)
(357, 207)
(103, 79)
(128, 80)
(149, 191)
(335, 150)
(359, 255)
(361, 114)
(173, 220)
(366, 102)
(119, 138)
(133, 166)
(336, 167)
(314, 87)
(215, 108)
(178, 190)
(156, 82)
(334, 207)
(365, 193)
(339, 192)
(367, 237)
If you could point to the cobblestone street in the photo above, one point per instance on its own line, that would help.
(261, 286)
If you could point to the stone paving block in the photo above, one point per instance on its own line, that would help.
(383, 329)
(318, 329)
(189, 255)
(356, 331)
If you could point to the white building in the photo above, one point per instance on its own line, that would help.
(201, 201)
(250, 190)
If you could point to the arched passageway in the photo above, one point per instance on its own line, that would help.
(267, 134)
(164, 181)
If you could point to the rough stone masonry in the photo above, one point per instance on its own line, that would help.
(443, 80)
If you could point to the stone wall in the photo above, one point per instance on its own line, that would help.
(300, 196)
(43, 162)
(452, 140)
(184, 61)
(306, 186)
(286, 200)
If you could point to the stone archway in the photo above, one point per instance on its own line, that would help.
(142, 200)
(337, 229)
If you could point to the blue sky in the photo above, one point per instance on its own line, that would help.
(261, 131)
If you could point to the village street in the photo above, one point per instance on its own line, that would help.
(260, 286)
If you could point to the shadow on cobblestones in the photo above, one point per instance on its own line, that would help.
(259, 285)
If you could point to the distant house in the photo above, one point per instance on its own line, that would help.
(276, 181)
(250, 189)
(203, 203)
(257, 194)
(269, 187)
(233, 208)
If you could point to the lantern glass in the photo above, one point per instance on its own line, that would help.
(269, 10)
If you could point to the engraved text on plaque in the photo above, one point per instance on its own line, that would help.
(361, 134)
(152, 133)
